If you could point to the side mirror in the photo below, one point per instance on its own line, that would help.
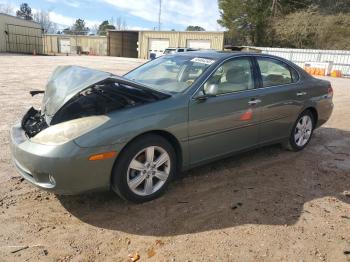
(210, 91)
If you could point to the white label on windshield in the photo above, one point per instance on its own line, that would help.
(203, 60)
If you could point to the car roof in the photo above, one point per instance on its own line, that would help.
(211, 54)
(222, 55)
(218, 55)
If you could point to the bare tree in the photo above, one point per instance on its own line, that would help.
(119, 23)
(94, 29)
(43, 18)
(7, 9)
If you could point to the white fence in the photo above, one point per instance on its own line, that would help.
(340, 58)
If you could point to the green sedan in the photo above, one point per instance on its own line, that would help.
(135, 133)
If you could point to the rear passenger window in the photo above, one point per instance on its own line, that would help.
(275, 72)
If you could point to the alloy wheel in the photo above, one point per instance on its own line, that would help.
(303, 131)
(148, 170)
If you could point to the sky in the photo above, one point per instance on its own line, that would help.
(138, 14)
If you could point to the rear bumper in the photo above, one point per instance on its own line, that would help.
(62, 169)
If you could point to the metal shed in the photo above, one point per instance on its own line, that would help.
(131, 43)
(123, 43)
(73, 44)
(20, 36)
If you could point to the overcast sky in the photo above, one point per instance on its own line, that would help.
(138, 14)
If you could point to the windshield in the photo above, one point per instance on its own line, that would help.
(170, 73)
(169, 51)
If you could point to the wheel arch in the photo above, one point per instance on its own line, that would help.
(169, 137)
(314, 113)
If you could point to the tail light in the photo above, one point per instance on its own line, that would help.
(330, 91)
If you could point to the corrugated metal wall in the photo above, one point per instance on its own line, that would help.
(340, 58)
(94, 45)
(178, 39)
(123, 43)
(19, 35)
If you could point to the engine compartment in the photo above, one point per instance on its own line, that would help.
(33, 122)
(98, 99)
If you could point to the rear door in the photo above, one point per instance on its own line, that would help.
(281, 98)
(227, 122)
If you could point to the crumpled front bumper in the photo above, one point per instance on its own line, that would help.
(62, 169)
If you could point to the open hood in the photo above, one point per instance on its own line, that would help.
(66, 82)
(79, 84)
(74, 92)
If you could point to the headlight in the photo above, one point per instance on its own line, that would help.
(64, 132)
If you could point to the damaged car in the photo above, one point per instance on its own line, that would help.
(135, 133)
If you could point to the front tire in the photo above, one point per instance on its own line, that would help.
(302, 132)
(144, 169)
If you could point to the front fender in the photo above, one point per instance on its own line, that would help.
(125, 126)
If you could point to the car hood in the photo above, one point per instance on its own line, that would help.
(74, 92)
(66, 82)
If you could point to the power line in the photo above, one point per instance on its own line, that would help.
(159, 14)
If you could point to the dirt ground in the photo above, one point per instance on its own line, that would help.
(265, 205)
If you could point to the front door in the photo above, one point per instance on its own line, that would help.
(228, 121)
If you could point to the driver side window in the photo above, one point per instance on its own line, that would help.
(233, 76)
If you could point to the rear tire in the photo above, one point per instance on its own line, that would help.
(144, 169)
(302, 132)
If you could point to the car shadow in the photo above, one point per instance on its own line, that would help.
(268, 186)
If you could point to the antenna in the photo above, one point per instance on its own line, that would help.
(159, 14)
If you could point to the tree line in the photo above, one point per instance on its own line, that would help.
(79, 27)
(320, 24)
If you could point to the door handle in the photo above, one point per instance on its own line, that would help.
(253, 102)
(301, 93)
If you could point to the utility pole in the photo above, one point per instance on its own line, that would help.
(159, 14)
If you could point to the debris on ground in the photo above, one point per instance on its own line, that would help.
(19, 249)
(134, 257)
(151, 252)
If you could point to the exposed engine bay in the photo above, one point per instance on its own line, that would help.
(101, 98)
(33, 122)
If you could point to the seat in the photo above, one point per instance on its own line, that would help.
(275, 79)
(237, 79)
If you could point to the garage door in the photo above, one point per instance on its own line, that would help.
(23, 39)
(199, 44)
(65, 45)
(157, 46)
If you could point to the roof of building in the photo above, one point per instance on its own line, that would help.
(15, 17)
(166, 31)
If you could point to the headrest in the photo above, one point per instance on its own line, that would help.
(237, 75)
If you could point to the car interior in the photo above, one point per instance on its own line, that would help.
(273, 73)
(231, 77)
